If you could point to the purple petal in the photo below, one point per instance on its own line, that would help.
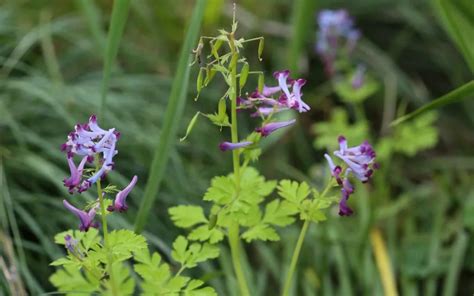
(119, 203)
(225, 146)
(273, 126)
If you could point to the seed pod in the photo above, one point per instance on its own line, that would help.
(190, 126)
(215, 48)
(221, 108)
(260, 48)
(243, 75)
(199, 83)
(261, 81)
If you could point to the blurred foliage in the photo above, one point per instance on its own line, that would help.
(422, 197)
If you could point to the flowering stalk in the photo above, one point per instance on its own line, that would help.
(105, 233)
(234, 237)
(299, 245)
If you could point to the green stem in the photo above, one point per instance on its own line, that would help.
(234, 242)
(102, 212)
(294, 258)
(104, 230)
(234, 237)
(299, 244)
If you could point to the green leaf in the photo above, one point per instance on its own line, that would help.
(413, 136)
(201, 253)
(465, 91)
(194, 288)
(311, 210)
(280, 213)
(123, 282)
(173, 115)
(179, 253)
(293, 192)
(458, 19)
(187, 216)
(203, 233)
(190, 255)
(123, 242)
(261, 232)
(116, 27)
(328, 131)
(219, 119)
(221, 191)
(70, 280)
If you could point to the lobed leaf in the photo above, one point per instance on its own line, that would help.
(187, 216)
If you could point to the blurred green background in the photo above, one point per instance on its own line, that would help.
(422, 200)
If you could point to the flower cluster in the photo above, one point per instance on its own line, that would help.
(89, 141)
(336, 32)
(271, 100)
(359, 162)
(92, 143)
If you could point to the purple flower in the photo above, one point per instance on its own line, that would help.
(270, 90)
(119, 204)
(273, 126)
(298, 102)
(360, 159)
(292, 100)
(358, 78)
(344, 209)
(224, 146)
(71, 245)
(336, 31)
(86, 218)
(286, 100)
(335, 169)
(88, 140)
(360, 163)
(76, 174)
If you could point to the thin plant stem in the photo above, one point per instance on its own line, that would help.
(294, 258)
(383, 262)
(234, 238)
(234, 243)
(299, 245)
(105, 231)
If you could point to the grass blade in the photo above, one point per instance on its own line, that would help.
(456, 263)
(93, 19)
(458, 19)
(174, 111)
(463, 92)
(117, 25)
(303, 13)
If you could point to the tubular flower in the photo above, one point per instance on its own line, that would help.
(225, 146)
(88, 140)
(267, 105)
(360, 159)
(71, 245)
(76, 174)
(273, 126)
(360, 163)
(86, 218)
(335, 169)
(119, 204)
